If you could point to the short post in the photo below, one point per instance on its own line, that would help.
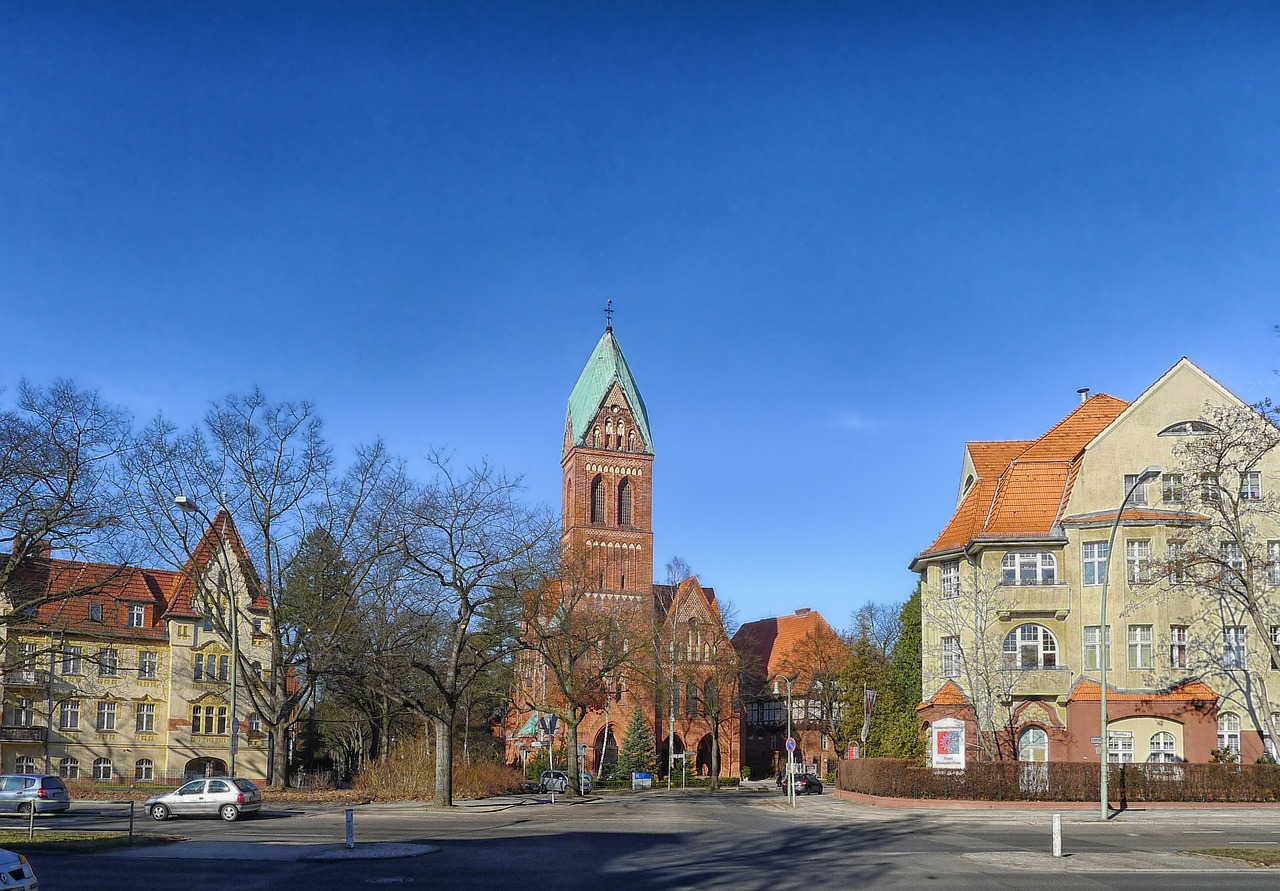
(351, 828)
(131, 819)
(31, 821)
(1057, 835)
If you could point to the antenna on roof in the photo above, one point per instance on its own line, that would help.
(608, 316)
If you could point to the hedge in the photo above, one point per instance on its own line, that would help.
(1061, 781)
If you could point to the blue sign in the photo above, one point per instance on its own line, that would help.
(791, 744)
(643, 776)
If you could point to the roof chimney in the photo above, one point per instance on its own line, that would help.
(803, 611)
(1084, 395)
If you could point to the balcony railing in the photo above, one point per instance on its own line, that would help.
(26, 677)
(23, 734)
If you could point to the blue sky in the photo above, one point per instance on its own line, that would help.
(840, 239)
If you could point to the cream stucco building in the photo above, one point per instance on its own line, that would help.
(1012, 588)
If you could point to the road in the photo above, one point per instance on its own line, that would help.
(691, 840)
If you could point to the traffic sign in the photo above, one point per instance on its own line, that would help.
(791, 744)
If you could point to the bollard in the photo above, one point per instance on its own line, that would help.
(1057, 835)
(351, 828)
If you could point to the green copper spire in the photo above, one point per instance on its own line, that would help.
(606, 367)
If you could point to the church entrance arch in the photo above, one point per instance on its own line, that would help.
(705, 767)
(605, 750)
(664, 761)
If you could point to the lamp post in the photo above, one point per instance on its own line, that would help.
(791, 786)
(1104, 648)
(188, 506)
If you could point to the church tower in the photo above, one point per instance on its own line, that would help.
(608, 475)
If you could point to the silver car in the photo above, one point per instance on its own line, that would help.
(16, 872)
(225, 797)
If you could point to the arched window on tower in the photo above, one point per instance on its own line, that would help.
(631, 440)
(624, 502)
(595, 437)
(597, 500)
(608, 434)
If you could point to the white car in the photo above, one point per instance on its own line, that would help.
(16, 872)
(558, 781)
(227, 797)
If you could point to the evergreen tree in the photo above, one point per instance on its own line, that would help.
(639, 753)
(903, 738)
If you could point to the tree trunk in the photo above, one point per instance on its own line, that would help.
(571, 756)
(715, 754)
(444, 761)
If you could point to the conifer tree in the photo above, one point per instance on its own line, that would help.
(639, 753)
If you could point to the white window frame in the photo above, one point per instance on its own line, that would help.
(144, 717)
(108, 662)
(69, 767)
(1093, 647)
(1137, 555)
(1020, 568)
(69, 714)
(1273, 563)
(24, 712)
(1095, 561)
(1171, 491)
(1027, 640)
(1235, 650)
(1179, 653)
(1141, 647)
(137, 615)
(1251, 486)
(1139, 496)
(1174, 552)
(1120, 750)
(102, 770)
(144, 770)
(106, 715)
(1232, 556)
(148, 665)
(949, 578)
(72, 660)
(1163, 748)
(951, 657)
(1229, 732)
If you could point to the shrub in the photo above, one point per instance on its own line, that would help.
(411, 776)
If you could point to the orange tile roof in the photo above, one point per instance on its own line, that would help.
(1192, 691)
(1023, 497)
(948, 694)
(182, 589)
(1136, 515)
(765, 646)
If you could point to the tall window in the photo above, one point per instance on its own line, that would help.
(1093, 647)
(1171, 488)
(69, 714)
(1232, 557)
(108, 663)
(102, 770)
(1175, 554)
(23, 712)
(1138, 560)
(1028, 568)
(1141, 646)
(137, 615)
(1251, 486)
(691, 699)
(951, 578)
(1229, 732)
(1164, 749)
(1275, 640)
(1139, 495)
(624, 502)
(1095, 562)
(1033, 745)
(1233, 647)
(597, 500)
(209, 719)
(1030, 646)
(1178, 646)
(147, 661)
(951, 657)
(144, 771)
(144, 717)
(1209, 487)
(106, 715)
(1273, 563)
(71, 660)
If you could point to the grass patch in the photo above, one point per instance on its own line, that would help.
(53, 841)
(1252, 856)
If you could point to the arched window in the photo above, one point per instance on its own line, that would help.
(1229, 732)
(1033, 745)
(1164, 749)
(1028, 568)
(608, 434)
(595, 437)
(1030, 646)
(631, 440)
(624, 502)
(709, 695)
(24, 764)
(102, 770)
(1188, 428)
(144, 771)
(691, 699)
(69, 768)
(597, 500)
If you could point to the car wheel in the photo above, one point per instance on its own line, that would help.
(25, 808)
(159, 812)
(229, 812)
(542, 788)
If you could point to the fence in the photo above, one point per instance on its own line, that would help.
(83, 816)
(1062, 781)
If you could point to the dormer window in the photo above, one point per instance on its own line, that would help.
(137, 615)
(95, 612)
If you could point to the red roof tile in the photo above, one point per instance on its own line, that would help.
(1192, 691)
(767, 646)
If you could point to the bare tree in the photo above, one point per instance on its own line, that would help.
(819, 662)
(469, 547)
(970, 651)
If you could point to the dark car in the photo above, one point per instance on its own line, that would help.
(808, 784)
(21, 792)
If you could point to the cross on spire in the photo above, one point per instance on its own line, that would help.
(608, 315)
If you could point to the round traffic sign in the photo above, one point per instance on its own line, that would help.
(791, 744)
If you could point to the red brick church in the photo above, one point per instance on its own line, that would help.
(607, 462)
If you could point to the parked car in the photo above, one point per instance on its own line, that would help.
(17, 872)
(558, 781)
(20, 792)
(227, 797)
(808, 784)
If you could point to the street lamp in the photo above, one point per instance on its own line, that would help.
(1104, 648)
(188, 506)
(791, 786)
